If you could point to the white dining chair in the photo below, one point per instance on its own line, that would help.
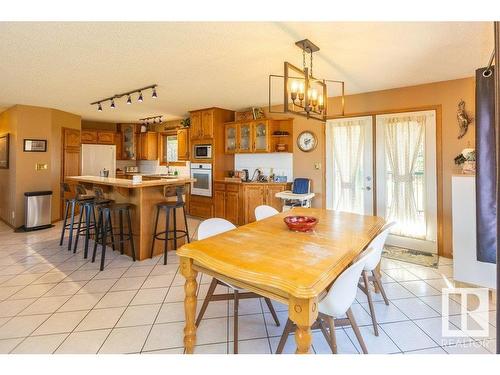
(263, 212)
(334, 310)
(370, 272)
(209, 228)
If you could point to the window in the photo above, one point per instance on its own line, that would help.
(170, 148)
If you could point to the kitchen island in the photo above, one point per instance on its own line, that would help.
(143, 196)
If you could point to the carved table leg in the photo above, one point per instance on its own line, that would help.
(189, 303)
(303, 312)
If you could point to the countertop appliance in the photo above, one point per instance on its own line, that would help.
(131, 169)
(202, 172)
(202, 151)
(37, 210)
(96, 158)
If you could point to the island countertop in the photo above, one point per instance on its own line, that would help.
(127, 183)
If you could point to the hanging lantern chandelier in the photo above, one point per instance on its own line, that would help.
(304, 94)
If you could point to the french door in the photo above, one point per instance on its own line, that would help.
(404, 173)
(349, 160)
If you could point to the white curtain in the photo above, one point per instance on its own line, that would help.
(403, 138)
(345, 142)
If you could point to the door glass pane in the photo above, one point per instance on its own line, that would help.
(245, 137)
(405, 175)
(261, 137)
(348, 165)
(202, 180)
(231, 138)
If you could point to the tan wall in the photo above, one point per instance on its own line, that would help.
(8, 124)
(446, 93)
(37, 123)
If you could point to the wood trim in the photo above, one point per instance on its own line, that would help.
(439, 161)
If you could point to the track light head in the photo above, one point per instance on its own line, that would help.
(159, 121)
(99, 107)
(154, 95)
(112, 103)
(129, 100)
(140, 100)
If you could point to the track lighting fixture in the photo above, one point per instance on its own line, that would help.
(151, 119)
(128, 94)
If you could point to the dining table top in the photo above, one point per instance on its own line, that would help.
(300, 264)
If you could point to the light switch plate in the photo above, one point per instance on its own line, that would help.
(41, 166)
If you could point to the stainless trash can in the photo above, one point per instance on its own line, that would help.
(37, 210)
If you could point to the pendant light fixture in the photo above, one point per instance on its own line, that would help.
(304, 95)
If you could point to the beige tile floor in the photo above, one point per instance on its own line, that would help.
(54, 301)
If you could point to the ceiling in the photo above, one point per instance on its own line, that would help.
(196, 65)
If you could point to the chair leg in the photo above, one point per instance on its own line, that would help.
(106, 221)
(377, 280)
(211, 290)
(79, 227)
(272, 311)
(333, 337)
(88, 213)
(131, 235)
(355, 328)
(165, 245)
(98, 234)
(66, 209)
(288, 329)
(370, 302)
(72, 221)
(154, 231)
(110, 229)
(174, 213)
(235, 325)
(120, 222)
(186, 224)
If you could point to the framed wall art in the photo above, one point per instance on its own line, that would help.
(35, 145)
(4, 151)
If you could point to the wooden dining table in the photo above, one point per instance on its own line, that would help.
(267, 258)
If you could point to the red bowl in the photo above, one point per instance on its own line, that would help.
(300, 223)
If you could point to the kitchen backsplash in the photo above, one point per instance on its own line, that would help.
(154, 167)
(281, 163)
(121, 164)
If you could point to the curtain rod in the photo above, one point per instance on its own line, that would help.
(488, 71)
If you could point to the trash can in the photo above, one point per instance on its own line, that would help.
(37, 210)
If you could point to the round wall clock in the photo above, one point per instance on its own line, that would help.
(307, 141)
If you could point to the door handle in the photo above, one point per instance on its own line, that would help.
(368, 188)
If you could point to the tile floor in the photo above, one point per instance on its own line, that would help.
(52, 301)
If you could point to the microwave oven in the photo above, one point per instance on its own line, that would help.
(202, 151)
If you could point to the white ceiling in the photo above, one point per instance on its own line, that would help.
(196, 65)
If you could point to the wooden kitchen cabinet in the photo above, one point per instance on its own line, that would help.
(89, 136)
(148, 146)
(183, 144)
(119, 146)
(244, 138)
(230, 138)
(260, 136)
(257, 194)
(105, 137)
(202, 124)
(271, 200)
(200, 206)
(227, 201)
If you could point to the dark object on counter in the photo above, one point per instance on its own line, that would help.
(486, 177)
(281, 147)
(300, 223)
(245, 171)
(280, 132)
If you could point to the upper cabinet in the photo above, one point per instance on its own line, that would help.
(259, 136)
(129, 142)
(148, 146)
(202, 124)
(183, 144)
(104, 137)
(89, 136)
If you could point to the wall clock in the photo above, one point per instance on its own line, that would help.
(307, 141)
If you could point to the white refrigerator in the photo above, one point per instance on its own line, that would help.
(95, 158)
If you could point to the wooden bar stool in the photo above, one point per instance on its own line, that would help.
(81, 197)
(105, 228)
(170, 206)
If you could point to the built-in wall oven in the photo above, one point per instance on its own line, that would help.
(202, 172)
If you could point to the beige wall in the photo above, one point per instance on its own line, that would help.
(447, 94)
(8, 124)
(39, 123)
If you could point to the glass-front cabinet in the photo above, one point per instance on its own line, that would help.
(261, 136)
(244, 138)
(231, 138)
